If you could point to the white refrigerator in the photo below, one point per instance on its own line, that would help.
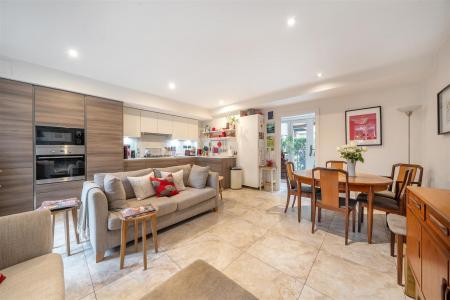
(251, 148)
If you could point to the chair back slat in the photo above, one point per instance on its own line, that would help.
(336, 164)
(328, 181)
(399, 172)
(290, 175)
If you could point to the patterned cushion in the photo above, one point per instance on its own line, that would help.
(164, 187)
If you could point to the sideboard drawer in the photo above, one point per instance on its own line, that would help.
(438, 226)
(416, 206)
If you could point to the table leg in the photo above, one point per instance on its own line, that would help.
(155, 232)
(67, 235)
(136, 229)
(370, 196)
(75, 223)
(144, 242)
(123, 243)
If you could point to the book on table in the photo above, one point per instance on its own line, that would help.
(60, 204)
(131, 212)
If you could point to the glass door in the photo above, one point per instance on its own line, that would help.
(298, 141)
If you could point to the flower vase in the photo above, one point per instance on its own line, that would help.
(351, 166)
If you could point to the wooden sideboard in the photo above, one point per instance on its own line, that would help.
(428, 241)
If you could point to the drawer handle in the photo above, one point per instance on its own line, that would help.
(439, 225)
(417, 205)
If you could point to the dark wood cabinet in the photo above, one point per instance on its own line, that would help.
(428, 241)
(104, 135)
(16, 147)
(58, 108)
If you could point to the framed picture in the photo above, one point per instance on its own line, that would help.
(270, 115)
(443, 105)
(363, 126)
(270, 128)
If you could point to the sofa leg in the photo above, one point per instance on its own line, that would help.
(99, 256)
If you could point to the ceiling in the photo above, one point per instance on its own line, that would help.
(232, 51)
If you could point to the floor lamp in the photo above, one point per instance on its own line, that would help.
(408, 110)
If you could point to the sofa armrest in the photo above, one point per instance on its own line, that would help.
(213, 181)
(97, 206)
(25, 236)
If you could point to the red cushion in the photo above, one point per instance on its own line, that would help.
(2, 277)
(164, 187)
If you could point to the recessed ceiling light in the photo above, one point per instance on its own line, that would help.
(291, 22)
(221, 102)
(172, 85)
(319, 75)
(72, 53)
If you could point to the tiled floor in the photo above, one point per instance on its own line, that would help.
(253, 242)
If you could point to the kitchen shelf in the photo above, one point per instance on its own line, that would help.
(220, 138)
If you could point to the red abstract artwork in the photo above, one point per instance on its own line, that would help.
(363, 127)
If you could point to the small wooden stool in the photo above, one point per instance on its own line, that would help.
(397, 225)
(221, 178)
(135, 220)
(74, 211)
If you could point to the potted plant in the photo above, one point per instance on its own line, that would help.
(233, 120)
(352, 153)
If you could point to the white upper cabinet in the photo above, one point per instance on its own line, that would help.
(180, 128)
(149, 122)
(131, 122)
(165, 124)
(192, 129)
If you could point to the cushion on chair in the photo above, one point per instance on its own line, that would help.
(387, 194)
(397, 224)
(379, 202)
(38, 278)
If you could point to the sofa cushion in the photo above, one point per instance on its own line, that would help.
(178, 179)
(114, 191)
(164, 187)
(186, 171)
(192, 196)
(164, 205)
(198, 176)
(41, 277)
(142, 186)
(99, 179)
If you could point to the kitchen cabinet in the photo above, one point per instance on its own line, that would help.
(192, 130)
(165, 124)
(58, 108)
(16, 147)
(428, 241)
(104, 131)
(58, 191)
(131, 122)
(180, 129)
(149, 122)
(221, 165)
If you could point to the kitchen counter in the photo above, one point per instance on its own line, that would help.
(220, 164)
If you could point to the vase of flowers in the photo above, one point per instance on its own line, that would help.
(352, 153)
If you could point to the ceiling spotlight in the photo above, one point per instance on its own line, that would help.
(319, 75)
(290, 22)
(221, 102)
(72, 53)
(172, 85)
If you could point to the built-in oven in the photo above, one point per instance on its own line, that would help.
(59, 163)
(49, 135)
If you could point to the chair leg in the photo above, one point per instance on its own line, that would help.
(287, 202)
(293, 202)
(360, 212)
(399, 259)
(313, 218)
(392, 244)
(353, 218)
(299, 209)
(347, 221)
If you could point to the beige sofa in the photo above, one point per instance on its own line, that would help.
(104, 224)
(31, 270)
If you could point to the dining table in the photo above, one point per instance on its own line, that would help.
(362, 182)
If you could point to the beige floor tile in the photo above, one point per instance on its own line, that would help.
(289, 256)
(262, 280)
(342, 279)
(77, 279)
(207, 247)
(311, 294)
(299, 231)
(125, 288)
(238, 232)
(90, 297)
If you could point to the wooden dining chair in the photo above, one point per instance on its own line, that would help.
(329, 198)
(291, 184)
(336, 164)
(395, 205)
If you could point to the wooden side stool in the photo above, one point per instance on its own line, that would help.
(135, 220)
(221, 179)
(397, 225)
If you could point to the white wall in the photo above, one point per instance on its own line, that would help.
(436, 148)
(31, 73)
(330, 122)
